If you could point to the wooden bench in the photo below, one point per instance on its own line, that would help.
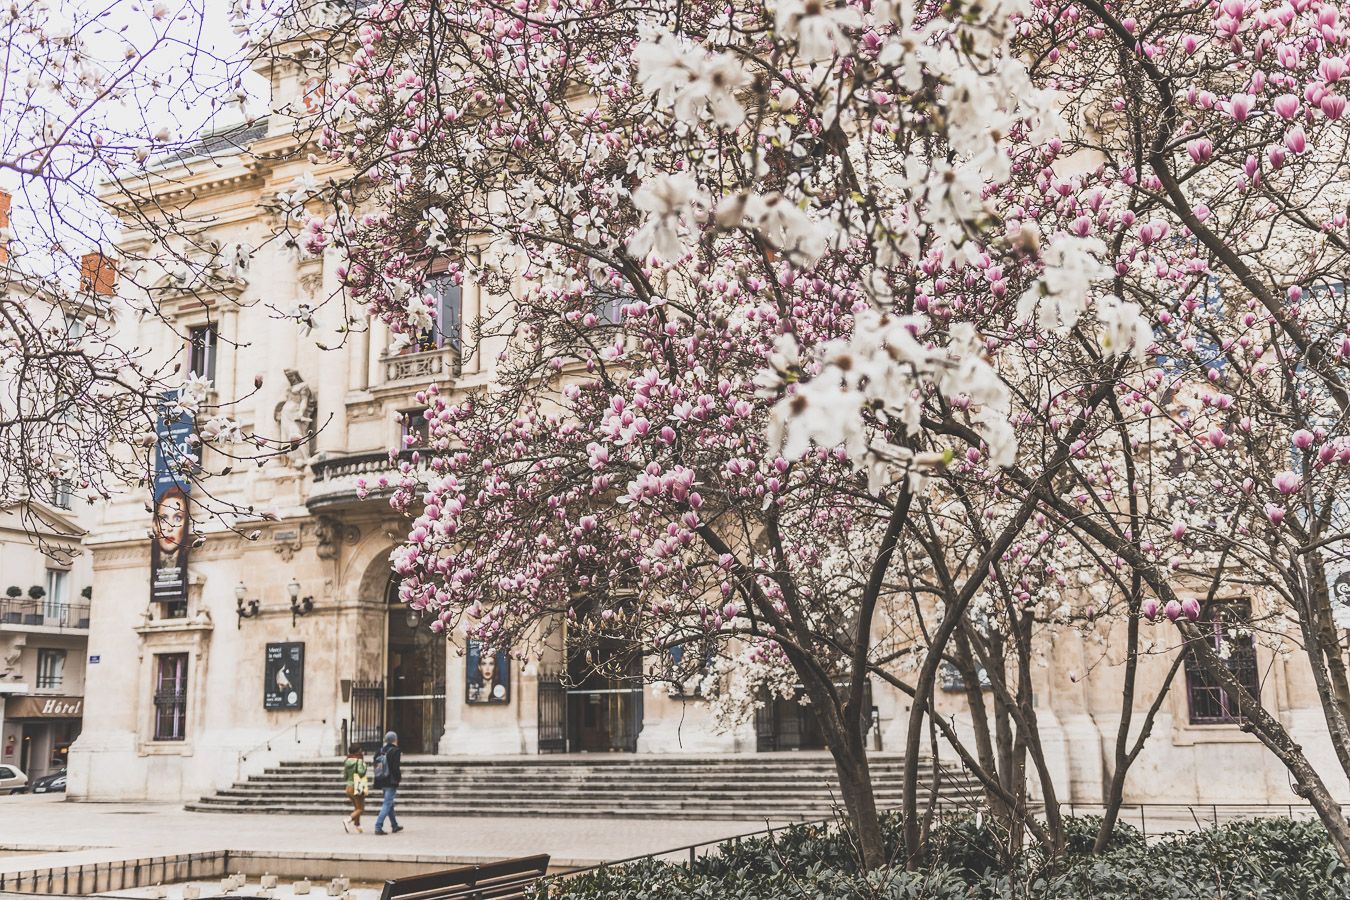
(505, 879)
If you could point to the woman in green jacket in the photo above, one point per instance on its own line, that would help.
(354, 771)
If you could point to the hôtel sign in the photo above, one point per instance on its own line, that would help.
(44, 707)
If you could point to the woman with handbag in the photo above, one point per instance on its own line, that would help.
(354, 771)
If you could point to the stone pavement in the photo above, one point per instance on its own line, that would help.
(43, 830)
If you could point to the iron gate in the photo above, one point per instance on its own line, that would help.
(367, 714)
(552, 713)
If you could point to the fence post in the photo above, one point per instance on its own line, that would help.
(691, 860)
(1143, 825)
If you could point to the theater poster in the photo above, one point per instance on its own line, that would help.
(172, 515)
(284, 676)
(488, 675)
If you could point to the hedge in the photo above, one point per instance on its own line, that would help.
(971, 860)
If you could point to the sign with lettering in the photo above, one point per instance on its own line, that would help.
(284, 676)
(94, 659)
(44, 707)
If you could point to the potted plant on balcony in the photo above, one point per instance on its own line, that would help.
(11, 614)
(87, 592)
(36, 592)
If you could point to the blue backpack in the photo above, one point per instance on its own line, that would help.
(380, 772)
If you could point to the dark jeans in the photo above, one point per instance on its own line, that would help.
(387, 810)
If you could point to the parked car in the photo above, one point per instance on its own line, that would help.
(54, 783)
(12, 781)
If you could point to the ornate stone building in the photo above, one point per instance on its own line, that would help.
(293, 644)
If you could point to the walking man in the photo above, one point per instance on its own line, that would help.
(388, 773)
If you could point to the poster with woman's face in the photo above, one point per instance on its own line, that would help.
(488, 675)
(169, 549)
(172, 516)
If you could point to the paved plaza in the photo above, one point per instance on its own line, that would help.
(40, 831)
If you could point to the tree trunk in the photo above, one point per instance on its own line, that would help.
(855, 784)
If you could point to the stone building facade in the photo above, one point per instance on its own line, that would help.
(293, 644)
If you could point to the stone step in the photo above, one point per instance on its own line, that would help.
(749, 787)
(567, 779)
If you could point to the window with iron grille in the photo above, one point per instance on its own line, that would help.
(202, 351)
(1225, 624)
(171, 696)
(51, 668)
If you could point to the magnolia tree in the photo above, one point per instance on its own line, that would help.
(766, 343)
(1212, 137)
(104, 110)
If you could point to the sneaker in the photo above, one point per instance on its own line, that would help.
(381, 833)
(346, 824)
(397, 829)
(360, 830)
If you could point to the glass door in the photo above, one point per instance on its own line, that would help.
(414, 680)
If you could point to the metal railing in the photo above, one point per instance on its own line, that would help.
(43, 613)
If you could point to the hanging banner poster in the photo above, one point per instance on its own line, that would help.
(172, 516)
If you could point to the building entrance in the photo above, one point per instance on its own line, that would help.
(602, 697)
(414, 678)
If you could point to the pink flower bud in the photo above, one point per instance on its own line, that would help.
(1240, 107)
(1274, 513)
(1149, 608)
(1286, 105)
(1333, 106)
(1200, 150)
(1172, 610)
(1303, 439)
(1296, 140)
(1178, 530)
(1288, 483)
(1190, 608)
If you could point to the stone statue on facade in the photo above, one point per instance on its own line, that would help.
(295, 418)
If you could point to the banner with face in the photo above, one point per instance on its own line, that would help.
(172, 525)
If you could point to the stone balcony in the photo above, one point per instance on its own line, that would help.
(336, 478)
(416, 370)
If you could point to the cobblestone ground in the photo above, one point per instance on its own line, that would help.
(40, 831)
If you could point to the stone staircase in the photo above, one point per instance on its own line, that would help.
(778, 786)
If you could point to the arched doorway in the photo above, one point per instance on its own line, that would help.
(414, 677)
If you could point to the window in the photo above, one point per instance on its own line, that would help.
(57, 580)
(51, 668)
(609, 307)
(1225, 624)
(202, 351)
(415, 430)
(447, 299)
(61, 493)
(171, 696)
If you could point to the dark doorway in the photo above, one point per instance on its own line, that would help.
(604, 696)
(415, 679)
(787, 724)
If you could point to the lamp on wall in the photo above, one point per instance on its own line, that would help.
(246, 609)
(300, 606)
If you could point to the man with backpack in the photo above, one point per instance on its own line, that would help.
(388, 772)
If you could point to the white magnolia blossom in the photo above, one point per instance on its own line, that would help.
(1124, 329)
(669, 201)
(817, 26)
(695, 85)
(1060, 295)
(781, 223)
(884, 368)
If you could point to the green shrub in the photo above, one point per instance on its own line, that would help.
(970, 859)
